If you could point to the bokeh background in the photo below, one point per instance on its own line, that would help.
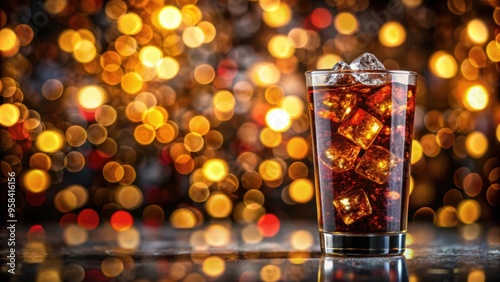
(183, 113)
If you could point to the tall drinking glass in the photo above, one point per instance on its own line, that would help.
(362, 136)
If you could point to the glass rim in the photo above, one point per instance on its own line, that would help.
(330, 71)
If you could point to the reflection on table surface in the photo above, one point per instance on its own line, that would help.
(224, 252)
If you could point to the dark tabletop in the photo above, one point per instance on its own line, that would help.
(225, 251)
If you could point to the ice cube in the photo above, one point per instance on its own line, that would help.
(337, 106)
(339, 154)
(388, 100)
(361, 128)
(368, 61)
(352, 205)
(377, 163)
(340, 78)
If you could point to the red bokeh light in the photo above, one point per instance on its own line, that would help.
(36, 233)
(36, 199)
(68, 219)
(269, 225)
(88, 219)
(321, 18)
(121, 221)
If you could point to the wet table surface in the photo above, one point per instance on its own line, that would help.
(231, 252)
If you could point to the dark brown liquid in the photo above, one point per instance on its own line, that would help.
(362, 138)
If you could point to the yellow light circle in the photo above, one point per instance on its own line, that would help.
(224, 101)
(213, 266)
(301, 190)
(209, 31)
(150, 55)
(183, 218)
(476, 144)
(84, 51)
(498, 132)
(270, 170)
(199, 124)
(278, 17)
(129, 197)
(215, 170)
(204, 74)
(346, 23)
(326, 61)
(9, 114)
(293, 105)
(193, 36)
(280, 47)
(219, 206)
(113, 171)
(8, 39)
(477, 31)
(193, 142)
(270, 138)
(91, 97)
(144, 134)
(265, 74)
(50, 141)
(112, 267)
(36, 180)
(443, 65)
(392, 34)
(417, 152)
(297, 148)
(476, 98)
(167, 68)
(170, 17)
(469, 211)
(155, 117)
(301, 240)
(270, 273)
(278, 120)
(129, 23)
(493, 50)
(131, 83)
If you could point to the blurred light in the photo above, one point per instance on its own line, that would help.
(219, 206)
(476, 276)
(327, 61)
(193, 36)
(278, 119)
(204, 74)
(251, 234)
(209, 31)
(301, 240)
(88, 219)
(153, 215)
(121, 221)
(75, 235)
(91, 97)
(270, 273)
(167, 68)
(473, 184)
(215, 170)
(9, 114)
(129, 23)
(416, 152)
(8, 40)
(476, 144)
(392, 34)
(129, 239)
(213, 266)
(477, 31)
(270, 170)
(183, 218)
(493, 51)
(112, 267)
(131, 83)
(280, 47)
(270, 138)
(278, 17)
(224, 101)
(301, 190)
(447, 217)
(150, 55)
(321, 18)
(264, 74)
(36, 180)
(48, 275)
(84, 51)
(293, 105)
(443, 64)
(170, 17)
(269, 5)
(346, 23)
(298, 38)
(469, 211)
(113, 171)
(476, 98)
(144, 134)
(269, 225)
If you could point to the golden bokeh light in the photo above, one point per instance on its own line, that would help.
(9, 114)
(36, 180)
(280, 47)
(278, 17)
(446, 216)
(476, 98)
(130, 23)
(346, 23)
(193, 36)
(270, 138)
(278, 119)
(293, 105)
(8, 40)
(183, 218)
(416, 152)
(50, 141)
(144, 134)
(270, 273)
(131, 83)
(84, 51)
(301, 240)
(112, 267)
(204, 74)
(219, 206)
(301, 190)
(170, 17)
(167, 68)
(326, 61)
(215, 170)
(213, 266)
(392, 34)
(476, 144)
(477, 31)
(297, 148)
(199, 192)
(150, 55)
(270, 170)
(443, 64)
(469, 211)
(156, 117)
(264, 74)
(91, 97)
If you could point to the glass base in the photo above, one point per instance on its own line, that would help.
(371, 244)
